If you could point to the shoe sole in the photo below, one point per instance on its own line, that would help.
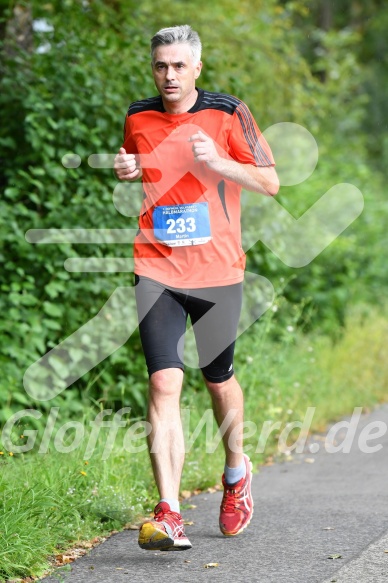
(152, 539)
(179, 546)
(250, 518)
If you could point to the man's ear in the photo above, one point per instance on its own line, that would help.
(198, 69)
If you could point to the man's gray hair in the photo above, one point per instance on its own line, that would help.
(175, 35)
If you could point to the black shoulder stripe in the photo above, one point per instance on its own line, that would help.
(149, 104)
(220, 101)
(250, 134)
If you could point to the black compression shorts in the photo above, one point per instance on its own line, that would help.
(214, 313)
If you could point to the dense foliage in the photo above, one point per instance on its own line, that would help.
(66, 87)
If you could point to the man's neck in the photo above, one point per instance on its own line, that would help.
(181, 107)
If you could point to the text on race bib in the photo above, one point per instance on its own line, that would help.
(183, 224)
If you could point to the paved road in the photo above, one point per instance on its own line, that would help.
(305, 511)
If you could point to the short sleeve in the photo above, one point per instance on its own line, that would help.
(129, 143)
(246, 143)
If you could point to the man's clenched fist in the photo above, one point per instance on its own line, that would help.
(126, 166)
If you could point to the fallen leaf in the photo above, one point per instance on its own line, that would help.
(386, 551)
(309, 460)
(63, 559)
(191, 506)
(211, 490)
(210, 565)
(132, 526)
(334, 557)
(188, 522)
(328, 528)
(186, 561)
(185, 494)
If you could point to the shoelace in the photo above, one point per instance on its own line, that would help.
(160, 514)
(229, 501)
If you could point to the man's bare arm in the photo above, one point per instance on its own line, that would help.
(258, 179)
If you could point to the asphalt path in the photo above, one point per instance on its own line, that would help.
(320, 517)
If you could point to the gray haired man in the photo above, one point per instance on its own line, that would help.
(201, 147)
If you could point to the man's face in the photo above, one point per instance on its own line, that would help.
(174, 72)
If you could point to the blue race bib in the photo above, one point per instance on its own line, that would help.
(182, 224)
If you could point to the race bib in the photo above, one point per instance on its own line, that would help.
(182, 224)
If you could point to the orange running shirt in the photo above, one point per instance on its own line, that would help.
(171, 178)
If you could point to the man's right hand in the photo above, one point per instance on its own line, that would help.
(126, 166)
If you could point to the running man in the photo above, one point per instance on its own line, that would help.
(193, 150)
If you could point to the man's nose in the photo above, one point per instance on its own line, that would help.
(170, 73)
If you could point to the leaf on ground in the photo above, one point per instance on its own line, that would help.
(73, 554)
(132, 526)
(328, 528)
(86, 544)
(335, 556)
(63, 560)
(185, 494)
(309, 460)
(210, 565)
(188, 522)
(214, 488)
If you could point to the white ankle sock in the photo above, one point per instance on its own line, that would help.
(234, 475)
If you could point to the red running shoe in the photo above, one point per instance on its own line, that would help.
(237, 503)
(165, 533)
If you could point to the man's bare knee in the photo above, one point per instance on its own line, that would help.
(217, 389)
(166, 382)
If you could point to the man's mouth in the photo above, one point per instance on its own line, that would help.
(169, 88)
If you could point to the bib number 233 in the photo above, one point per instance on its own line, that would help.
(182, 224)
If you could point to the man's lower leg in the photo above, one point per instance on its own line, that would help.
(166, 448)
(237, 503)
